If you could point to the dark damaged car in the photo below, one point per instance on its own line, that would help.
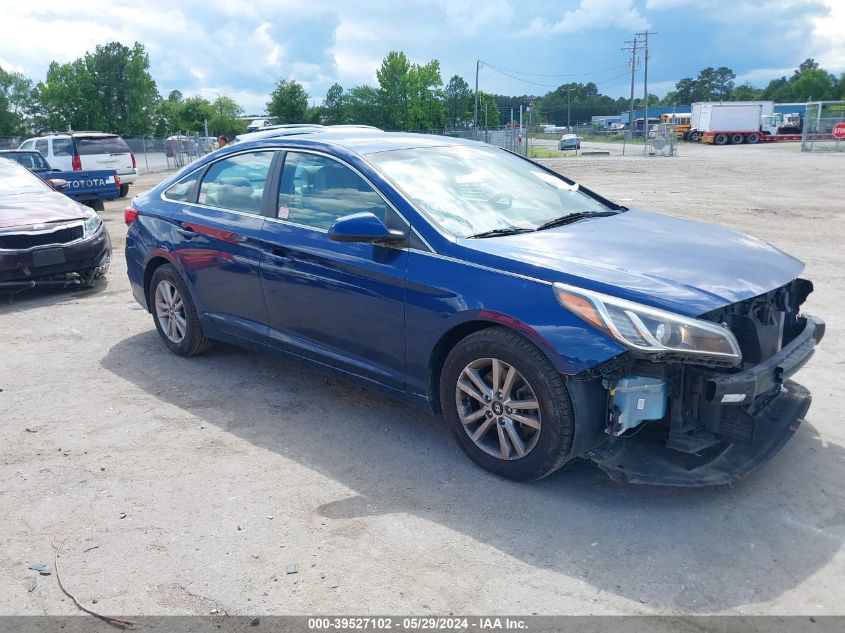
(544, 321)
(46, 238)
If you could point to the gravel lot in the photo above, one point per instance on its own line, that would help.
(187, 486)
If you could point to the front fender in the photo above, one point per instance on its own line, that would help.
(445, 294)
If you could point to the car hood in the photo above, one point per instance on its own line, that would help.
(38, 208)
(680, 265)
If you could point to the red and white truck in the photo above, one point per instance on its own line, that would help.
(744, 122)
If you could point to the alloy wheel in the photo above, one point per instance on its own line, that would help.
(498, 408)
(170, 310)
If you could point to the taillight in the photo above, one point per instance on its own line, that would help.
(117, 181)
(129, 215)
(134, 164)
(76, 163)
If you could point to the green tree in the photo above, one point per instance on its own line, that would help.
(458, 102)
(193, 114)
(839, 91)
(226, 117)
(815, 84)
(334, 105)
(67, 99)
(425, 106)
(779, 90)
(288, 102)
(746, 92)
(124, 87)
(490, 118)
(110, 89)
(395, 89)
(16, 103)
(363, 106)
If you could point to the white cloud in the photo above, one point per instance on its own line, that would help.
(469, 17)
(595, 14)
(660, 5)
(828, 39)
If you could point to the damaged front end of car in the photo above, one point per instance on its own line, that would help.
(696, 401)
(58, 255)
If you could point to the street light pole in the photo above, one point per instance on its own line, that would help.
(568, 110)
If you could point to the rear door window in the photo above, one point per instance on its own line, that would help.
(62, 147)
(87, 146)
(41, 146)
(237, 183)
(183, 191)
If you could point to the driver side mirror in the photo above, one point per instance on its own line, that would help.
(363, 227)
(58, 184)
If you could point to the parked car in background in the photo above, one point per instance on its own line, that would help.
(31, 159)
(76, 151)
(180, 144)
(46, 238)
(543, 320)
(569, 141)
(258, 124)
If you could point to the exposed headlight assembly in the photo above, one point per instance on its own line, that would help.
(91, 225)
(651, 331)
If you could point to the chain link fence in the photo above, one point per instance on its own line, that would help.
(820, 119)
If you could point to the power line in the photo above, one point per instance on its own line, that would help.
(519, 72)
(542, 85)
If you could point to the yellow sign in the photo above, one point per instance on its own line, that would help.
(836, 108)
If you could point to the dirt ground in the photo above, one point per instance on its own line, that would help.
(192, 486)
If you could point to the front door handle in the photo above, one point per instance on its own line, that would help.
(277, 255)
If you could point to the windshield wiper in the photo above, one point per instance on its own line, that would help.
(510, 230)
(574, 217)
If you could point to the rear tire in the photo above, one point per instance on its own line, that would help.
(737, 139)
(174, 313)
(720, 139)
(537, 433)
(124, 191)
(752, 138)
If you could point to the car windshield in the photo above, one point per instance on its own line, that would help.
(469, 190)
(16, 180)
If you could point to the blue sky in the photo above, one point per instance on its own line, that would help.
(241, 47)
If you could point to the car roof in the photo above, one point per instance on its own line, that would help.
(76, 134)
(19, 151)
(365, 141)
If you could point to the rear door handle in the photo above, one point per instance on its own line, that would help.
(187, 232)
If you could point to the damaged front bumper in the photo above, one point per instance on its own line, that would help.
(718, 427)
(66, 265)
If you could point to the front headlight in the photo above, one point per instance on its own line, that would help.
(650, 330)
(91, 225)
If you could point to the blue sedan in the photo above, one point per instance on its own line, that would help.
(545, 322)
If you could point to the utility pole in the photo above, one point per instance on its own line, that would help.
(633, 49)
(568, 110)
(475, 111)
(645, 88)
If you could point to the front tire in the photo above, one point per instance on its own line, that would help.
(174, 313)
(506, 405)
